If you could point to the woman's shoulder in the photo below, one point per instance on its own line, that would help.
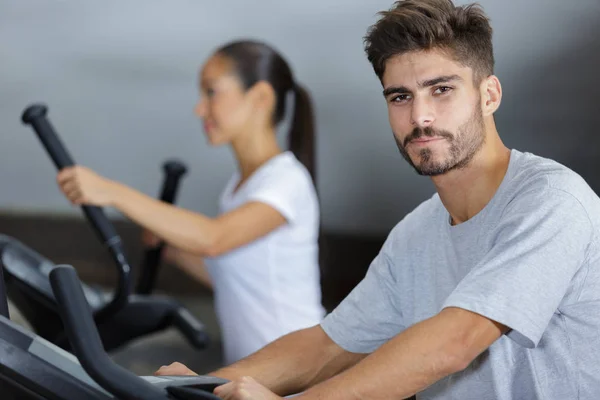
(284, 171)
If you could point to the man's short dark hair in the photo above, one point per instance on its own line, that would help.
(464, 32)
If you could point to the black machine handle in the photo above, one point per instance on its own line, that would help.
(36, 116)
(191, 328)
(187, 393)
(3, 294)
(85, 340)
(174, 170)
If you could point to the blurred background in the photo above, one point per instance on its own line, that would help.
(120, 80)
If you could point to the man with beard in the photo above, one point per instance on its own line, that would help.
(488, 290)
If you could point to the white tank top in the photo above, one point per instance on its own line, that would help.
(271, 286)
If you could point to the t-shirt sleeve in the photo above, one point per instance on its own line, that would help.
(369, 316)
(285, 192)
(540, 244)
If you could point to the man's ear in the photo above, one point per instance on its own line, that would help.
(491, 95)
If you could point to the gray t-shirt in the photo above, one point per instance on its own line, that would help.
(529, 260)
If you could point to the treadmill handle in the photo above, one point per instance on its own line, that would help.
(188, 393)
(85, 340)
(173, 172)
(36, 116)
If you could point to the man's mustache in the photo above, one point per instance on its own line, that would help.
(426, 132)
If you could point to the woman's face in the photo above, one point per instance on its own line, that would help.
(224, 106)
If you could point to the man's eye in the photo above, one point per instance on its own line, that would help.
(401, 98)
(442, 90)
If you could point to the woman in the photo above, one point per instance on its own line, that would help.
(260, 253)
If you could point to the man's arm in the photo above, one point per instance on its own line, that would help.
(288, 365)
(415, 359)
(294, 362)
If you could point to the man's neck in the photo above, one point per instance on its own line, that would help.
(465, 192)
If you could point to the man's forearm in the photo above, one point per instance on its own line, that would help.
(294, 362)
(413, 360)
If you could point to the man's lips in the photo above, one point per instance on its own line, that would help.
(423, 141)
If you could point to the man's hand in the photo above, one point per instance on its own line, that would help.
(81, 185)
(174, 369)
(245, 388)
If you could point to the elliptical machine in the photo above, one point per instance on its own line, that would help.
(120, 318)
(31, 368)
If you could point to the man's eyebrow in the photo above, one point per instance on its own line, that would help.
(427, 83)
(439, 79)
(395, 89)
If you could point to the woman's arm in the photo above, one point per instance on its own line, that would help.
(184, 229)
(191, 264)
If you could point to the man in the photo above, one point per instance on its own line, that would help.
(488, 290)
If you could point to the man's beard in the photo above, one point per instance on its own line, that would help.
(463, 146)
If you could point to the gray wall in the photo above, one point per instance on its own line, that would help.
(120, 80)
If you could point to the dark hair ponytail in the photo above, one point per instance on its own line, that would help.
(302, 131)
(256, 61)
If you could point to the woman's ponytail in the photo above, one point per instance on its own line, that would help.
(302, 131)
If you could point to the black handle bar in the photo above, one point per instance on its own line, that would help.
(174, 170)
(36, 116)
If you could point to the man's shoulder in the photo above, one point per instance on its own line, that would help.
(537, 173)
(530, 166)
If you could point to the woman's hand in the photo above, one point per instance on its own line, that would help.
(81, 185)
(149, 239)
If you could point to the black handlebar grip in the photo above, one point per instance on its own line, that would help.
(191, 393)
(174, 171)
(3, 295)
(85, 340)
(36, 116)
